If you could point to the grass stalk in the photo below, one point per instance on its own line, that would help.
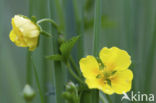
(60, 14)
(150, 62)
(79, 26)
(108, 98)
(102, 99)
(96, 36)
(97, 26)
(41, 10)
(29, 64)
(37, 81)
(59, 82)
(58, 70)
(59, 76)
(28, 61)
(56, 10)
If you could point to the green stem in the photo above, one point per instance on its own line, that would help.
(29, 65)
(102, 99)
(29, 69)
(37, 81)
(108, 98)
(47, 20)
(51, 21)
(75, 66)
(59, 81)
(60, 14)
(96, 36)
(28, 62)
(73, 74)
(97, 26)
(150, 62)
(58, 70)
(79, 26)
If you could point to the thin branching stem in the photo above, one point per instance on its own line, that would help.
(73, 74)
(47, 20)
(50, 21)
(75, 66)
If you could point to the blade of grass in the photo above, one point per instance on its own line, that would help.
(37, 81)
(97, 26)
(150, 62)
(39, 8)
(58, 70)
(11, 78)
(96, 36)
(28, 64)
(29, 79)
(60, 14)
(79, 25)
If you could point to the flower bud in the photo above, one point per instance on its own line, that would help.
(61, 39)
(67, 96)
(28, 93)
(24, 33)
(70, 87)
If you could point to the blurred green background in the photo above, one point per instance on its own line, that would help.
(127, 24)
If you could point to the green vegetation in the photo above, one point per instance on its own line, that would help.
(78, 28)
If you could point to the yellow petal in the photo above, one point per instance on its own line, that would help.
(26, 26)
(13, 36)
(89, 67)
(107, 89)
(122, 81)
(16, 39)
(92, 83)
(99, 84)
(115, 58)
(31, 43)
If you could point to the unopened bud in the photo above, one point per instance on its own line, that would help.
(61, 39)
(70, 87)
(67, 95)
(28, 93)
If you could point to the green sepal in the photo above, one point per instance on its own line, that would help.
(34, 19)
(101, 65)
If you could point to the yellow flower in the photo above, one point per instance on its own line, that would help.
(111, 74)
(25, 33)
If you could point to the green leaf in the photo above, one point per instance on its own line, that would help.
(56, 57)
(67, 46)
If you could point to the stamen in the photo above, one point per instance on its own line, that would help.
(114, 72)
(98, 76)
(109, 82)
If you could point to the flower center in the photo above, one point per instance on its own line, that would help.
(106, 76)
